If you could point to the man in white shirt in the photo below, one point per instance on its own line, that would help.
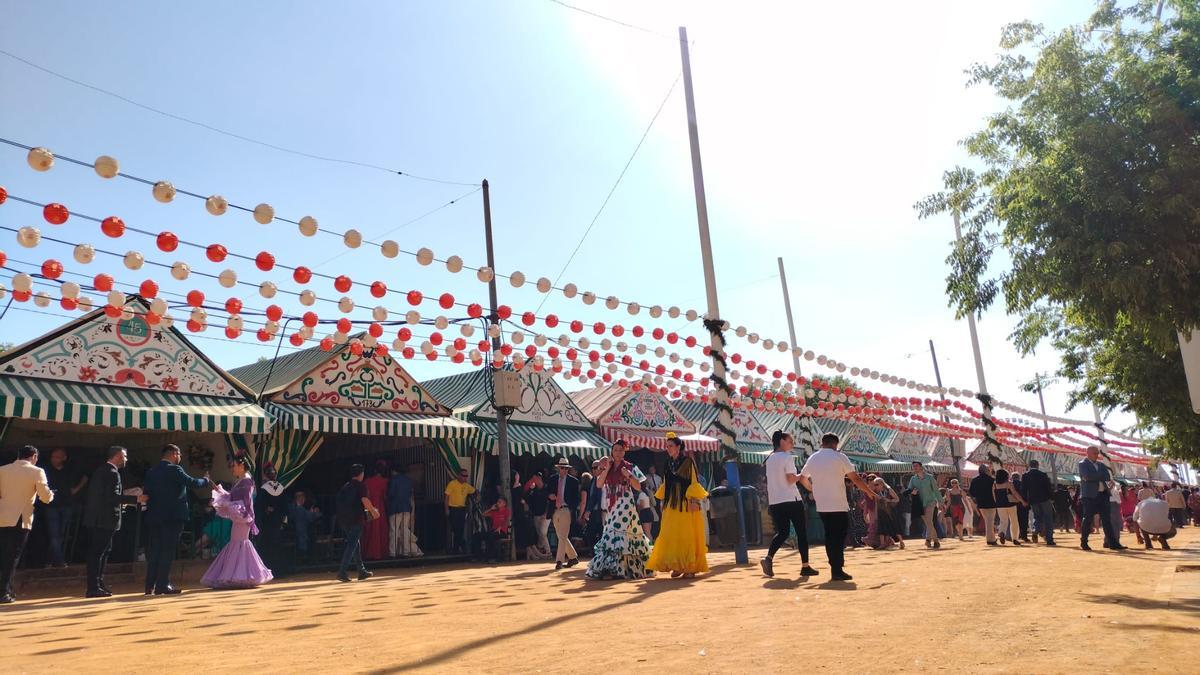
(824, 475)
(21, 483)
(1177, 503)
(785, 505)
(1153, 518)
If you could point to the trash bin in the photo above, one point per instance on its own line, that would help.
(752, 507)
(722, 512)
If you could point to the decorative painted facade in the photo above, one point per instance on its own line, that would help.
(642, 411)
(542, 402)
(908, 445)
(363, 382)
(859, 440)
(128, 353)
(746, 429)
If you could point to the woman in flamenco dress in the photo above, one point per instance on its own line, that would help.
(680, 547)
(238, 564)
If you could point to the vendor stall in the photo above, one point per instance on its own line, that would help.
(641, 418)
(753, 442)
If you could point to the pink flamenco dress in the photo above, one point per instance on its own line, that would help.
(238, 564)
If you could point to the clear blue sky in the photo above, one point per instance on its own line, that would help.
(820, 127)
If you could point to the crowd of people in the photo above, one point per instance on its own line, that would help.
(635, 522)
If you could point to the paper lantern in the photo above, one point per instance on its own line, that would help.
(194, 326)
(40, 159)
(264, 214)
(517, 279)
(446, 301)
(236, 323)
(158, 305)
(504, 312)
(106, 167)
(134, 260)
(66, 303)
(494, 331)
(485, 274)
(634, 308)
(441, 322)
(342, 284)
(413, 317)
(163, 192)
(216, 253)
(113, 312)
(454, 264)
(375, 330)
(466, 329)
(148, 290)
(85, 303)
(309, 319)
(380, 313)
(302, 275)
(227, 278)
(264, 261)
(344, 326)
(216, 205)
(612, 302)
(167, 241)
(424, 256)
(296, 340)
(326, 344)
(352, 238)
(345, 305)
(102, 283)
(414, 297)
(112, 226)
(474, 310)
(22, 282)
(55, 214)
(52, 269)
(116, 298)
(233, 306)
(69, 289)
(180, 271)
(655, 312)
(570, 291)
(378, 289)
(268, 289)
(195, 298)
(389, 248)
(589, 298)
(29, 237)
(308, 226)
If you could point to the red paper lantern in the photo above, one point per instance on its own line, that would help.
(408, 352)
(326, 344)
(342, 284)
(3, 195)
(609, 357)
(232, 333)
(68, 304)
(55, 214)
(626, 360)
(618, 330)
(572, 354)
(233, 306)
(432, 356)
(296, 340)
(504, 312)
(194, 326)
(112, 312)
(310, 319)
(474, 310)
(485, 346)
(167, 241)
(506, 349)
(638, 331)
(112, 226)
(302, 275)
(460, 344)
(576, 326)
(446, 300)
(381, 350)
(598, 328)
(530, 351)
(528, 318)
(435, 339)
(148, 289)
(216, 252)
(103, 283)
(404, 333)
(658, 333)
(734, 358)
(672, 338)
(690, 341)
(551, 320)
(263, 335)
(274, 312)
(264, 261)
(52, 269)
(3, 258)
(378, 289)
(195, 298)
(21, 296)
(414, 298)
(457, 358)
(375, 330)
(344, 326)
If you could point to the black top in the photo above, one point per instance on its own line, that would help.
(1062, 499)
(61, 481)
(350, 511)
(537, 500)
(167, 487)
(570, 491)
(1037, 486)
(981, 491)
(1002, 501)
(104, 499)
(270, 510)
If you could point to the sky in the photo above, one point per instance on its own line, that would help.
(819, 128)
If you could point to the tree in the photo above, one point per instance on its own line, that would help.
(1089, 185)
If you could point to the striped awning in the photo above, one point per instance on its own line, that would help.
(693, 442)
(532, 439)
(128, 408)
(368, 422)
(753, 454)
(865, 461)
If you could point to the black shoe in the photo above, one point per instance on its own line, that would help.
(768, 566)
(1050, 543)
(572, 562)
(558, 565)
(841, 576)
(1035, 539)
(98, 593)
(365, 574)
(149, 591)
(1118, 547)
(807, 571)
(992, 543)
(169, 590)
(1149, 546)
(1084, 546)
(5, 599)
(104, 587)
(1165, 545)
(937, 544)
(343, 578)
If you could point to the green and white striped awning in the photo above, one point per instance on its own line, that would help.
(532, 439)
(753, 453)
(128, 408)
(368, 422)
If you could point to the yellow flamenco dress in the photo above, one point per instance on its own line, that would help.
(680, 546)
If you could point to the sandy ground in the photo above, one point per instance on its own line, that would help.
(965, 608)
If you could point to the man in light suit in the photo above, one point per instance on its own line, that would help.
(166, 488)
(21, 483)
(102, 517)
(1094, 478)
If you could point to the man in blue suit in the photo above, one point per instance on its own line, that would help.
(1094, 478)
(166, 488)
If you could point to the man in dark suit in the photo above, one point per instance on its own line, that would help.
(1094, 478)
(563, 492)
(166, 488)
(102, 517)
(1039, 492)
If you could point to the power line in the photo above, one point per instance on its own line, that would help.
(223, 132)
(624, 169)
(612, 20)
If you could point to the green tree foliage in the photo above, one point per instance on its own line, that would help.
(1083, 209)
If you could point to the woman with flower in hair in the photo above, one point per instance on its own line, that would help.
(238, 564)
(623, 547)
(680, 547)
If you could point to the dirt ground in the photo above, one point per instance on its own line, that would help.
(965, 608)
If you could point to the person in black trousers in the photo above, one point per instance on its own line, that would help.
(166, 488)
(785, 505)
(102, 517)
(1022, 509)
(824, 475)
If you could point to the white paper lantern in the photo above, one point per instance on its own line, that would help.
(612, 302)
(134, 260)
(166, 321)
(163, 192)
(485, 274)
(180, 271)
(268, 289)
(570, 291)
(69, 289)
(106, 167)
(688, 362)
(380, 313)
(40, 159)
(85, 303)
(691, 315)
(216, 205)
(517, 279)
(589, 298)
(752, 338)
(564, 340)
(235, 322)
(116, 298)
(467, 330)
(809, 355)
(227, 278)
(517, 337)
(264, 214)
(424, 256)
(441, 323)
(544, 285)
(621, 346)
(584, 343)
(426, 347)
(389, 248)
(768, 344)
(28, 236)
(413, 317)
(656, 311)
(346, 305)
(398, 345)
(629, 372)
(782, 347)
(634, 308)
(352, 238)
(606, 344)
(493, 331)
(659, 351)
(308, 226)
(369, 341)
(704, 367)
(454, 264)
(22, 282)
(84, 253)
(673, 312)
(126, 313)
(640, 348)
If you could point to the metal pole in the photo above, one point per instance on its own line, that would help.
(808, 444)
(984, 398)
(937, 374)
(501, 415)
(1046, 425)
(724, 421)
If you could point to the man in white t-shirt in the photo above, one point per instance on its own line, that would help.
(785, 505)
(1153, 518)
(824, 475)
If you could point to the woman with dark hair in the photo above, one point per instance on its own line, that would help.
(1007, 499)
(238, 564)
(680, 547)
(623, 547)
(375, 532)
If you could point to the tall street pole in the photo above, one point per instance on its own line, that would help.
(501, 415)
(937, 374)
(808, 444)
(1046, 425)
(713, 323)
(989, 426)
